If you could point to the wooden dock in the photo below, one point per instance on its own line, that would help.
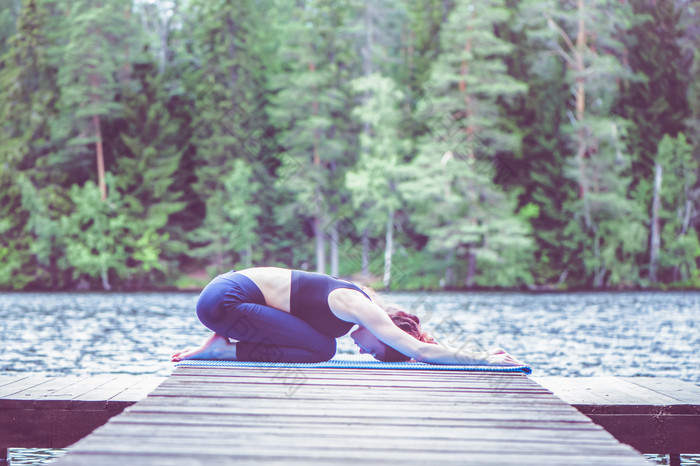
(253, 415)
(53, 412)
(652, 414)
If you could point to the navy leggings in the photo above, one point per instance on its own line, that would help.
(233, 305)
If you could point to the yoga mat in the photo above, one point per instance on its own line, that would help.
(355, 362)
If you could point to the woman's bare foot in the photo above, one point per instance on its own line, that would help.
(215, 347)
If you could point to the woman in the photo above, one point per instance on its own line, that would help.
(281, 315)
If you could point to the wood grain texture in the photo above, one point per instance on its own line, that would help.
(230, 415)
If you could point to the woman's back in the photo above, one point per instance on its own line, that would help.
(274, 283)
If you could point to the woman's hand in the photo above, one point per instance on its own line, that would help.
(499, 357)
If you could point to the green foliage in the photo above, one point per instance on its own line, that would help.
(450, 182)
(8, 20)
(229, 230)
(310, 109)
(16, 269)
(101, 241)
(148, 160)
(680, 248)
(92, 60)
(657, 104)
(450, 143)
(229, 122)
(31, 198)
(373, 182)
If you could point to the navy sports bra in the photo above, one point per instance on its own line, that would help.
(309, 301)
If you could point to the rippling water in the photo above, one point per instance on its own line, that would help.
(572, 334)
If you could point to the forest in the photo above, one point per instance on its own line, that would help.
(415, 144)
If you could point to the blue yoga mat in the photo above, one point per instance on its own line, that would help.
(355, 362)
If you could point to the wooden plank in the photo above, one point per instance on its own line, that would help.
(400, 433)
(286, 412)
(437, 385)
(211, 418)
(65, 397)
(8, 379)
(35, 392)
(621, 392)
(106, 392)
(608, 395)
(331, 396)
(82, 386)
(73, 391)
(684, 392)
(389, 398)
(158, 443)
(376, 385)
(20, 384)
(151, 424)
(139, 390)
(572, 391)
(269, 457)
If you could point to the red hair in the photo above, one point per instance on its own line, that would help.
(409, 324)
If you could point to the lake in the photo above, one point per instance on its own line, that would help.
(569, 334)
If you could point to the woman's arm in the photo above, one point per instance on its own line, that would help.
(352, 306)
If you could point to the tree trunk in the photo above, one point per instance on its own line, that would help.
(468, 103)
(471, 269)
(388, 247)
(249, 255)
(105, 279)
(580, 113)
(365, 252)
(334, 249)
(600, 269)
(320, 245)
(318, 220)
(449, 271)
(655, 242)
(369, 43)
(100, 157)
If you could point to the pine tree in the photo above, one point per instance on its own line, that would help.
(94, 60)
(229, 123)
(460, 208)
(374, 181)
(585, 37)
(657, 105)
(678, 199)
(229, 231)
(147, 162)
(384, 27)
(30, 198)
(538, 171)
(310, 109)
(426, 19)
